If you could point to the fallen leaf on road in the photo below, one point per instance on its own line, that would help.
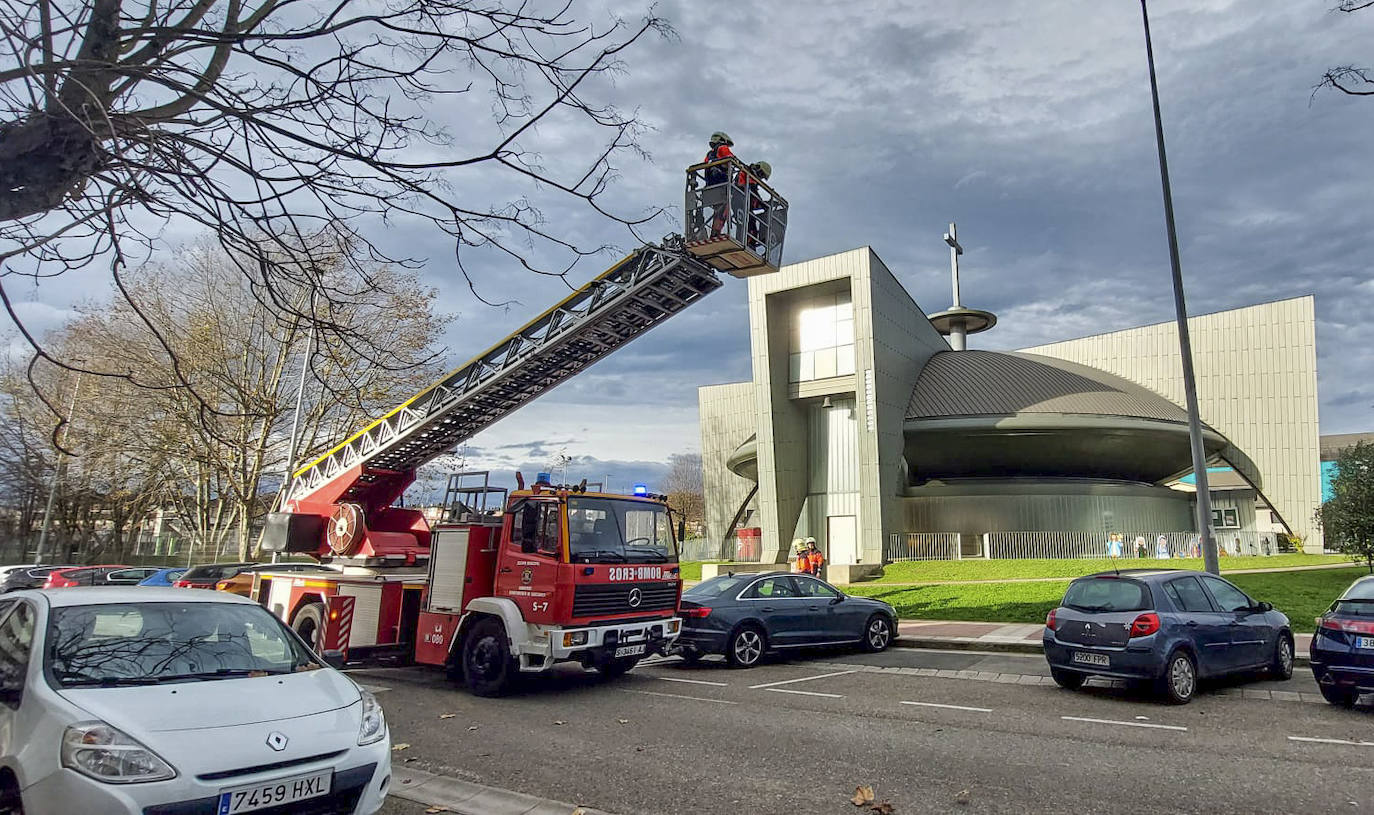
(470, 729)
(863, 796)
(433, 810)
(623, 721)
(961, 798)
(447, 715)
(883, 808)
(396, 748)
(409, 759)
(1142, 718)
(559, 721)
(579, 811)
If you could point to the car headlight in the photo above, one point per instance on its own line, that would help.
(373, 727)
(108, 754)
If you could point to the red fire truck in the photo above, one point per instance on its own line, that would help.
(511, 583)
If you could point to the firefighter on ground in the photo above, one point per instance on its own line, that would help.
(814, 557)
(716, 195)
(803, 561)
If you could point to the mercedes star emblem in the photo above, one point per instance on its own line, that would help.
(276, 741)
(636, 597)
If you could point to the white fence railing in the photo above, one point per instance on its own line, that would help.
(923, 546)
(1061, 545)
(705, 549)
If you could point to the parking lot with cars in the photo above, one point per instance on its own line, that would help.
(930, 730)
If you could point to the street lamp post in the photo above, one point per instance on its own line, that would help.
(1185, 345)
(57, 473)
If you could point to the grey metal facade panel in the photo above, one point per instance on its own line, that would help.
(1257, 385)
(728, 416)
(988, 383)
(1012, 506)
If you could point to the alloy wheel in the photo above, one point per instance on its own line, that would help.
(1285, 655)
(878, 634)
(1182, 677)
(748, 647)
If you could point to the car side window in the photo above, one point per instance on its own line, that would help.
(772, 587)
(16, 637)
(1227, 596)
(1188, 595)
(815, 588)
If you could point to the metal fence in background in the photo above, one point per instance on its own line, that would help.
(1071, 545)
(706, 549)
(924, 546)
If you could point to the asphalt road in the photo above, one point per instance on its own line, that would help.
(989, 734)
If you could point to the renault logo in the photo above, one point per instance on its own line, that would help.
(276, 741)
(636, 597)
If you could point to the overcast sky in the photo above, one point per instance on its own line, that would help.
(1026, 122)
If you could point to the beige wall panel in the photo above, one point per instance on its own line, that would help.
(728, 417)
(1257, 384)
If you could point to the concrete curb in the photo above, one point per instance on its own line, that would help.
(467, 798)
(1002, 646)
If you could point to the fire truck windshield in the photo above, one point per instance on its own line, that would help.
(610, 530)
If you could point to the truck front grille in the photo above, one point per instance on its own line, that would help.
(615, 598)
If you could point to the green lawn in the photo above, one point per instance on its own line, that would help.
(691, 569)
(939, 570)
(1300, 595)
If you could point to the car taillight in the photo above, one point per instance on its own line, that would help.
(698, 612)
(182, 584)
(1348, 626)
(1049, 619)
(1145, 625)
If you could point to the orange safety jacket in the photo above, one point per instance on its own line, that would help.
(816, 559)
(718, 175)
(803, 563)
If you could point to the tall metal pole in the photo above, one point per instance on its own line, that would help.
(296, 416)
(1185, 345)
(56, 473)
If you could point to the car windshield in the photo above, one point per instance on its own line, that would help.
(1107, 594)
(716, 587)
(149, 643)
(213, 571)
(610, 530)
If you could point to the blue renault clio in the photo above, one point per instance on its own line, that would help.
(1168, 627)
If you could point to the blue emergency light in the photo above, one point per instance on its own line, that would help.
(543, 478)
(641, 489)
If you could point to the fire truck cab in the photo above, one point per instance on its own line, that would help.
(559, 575)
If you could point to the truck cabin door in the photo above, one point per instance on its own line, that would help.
(528, 568)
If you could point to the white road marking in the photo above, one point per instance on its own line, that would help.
(1332, 741)
(677, 696)
(693, 681)
(804, 693)
(803, 679)
(951, 707)
(1124, 724)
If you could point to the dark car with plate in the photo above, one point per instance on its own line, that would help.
(1343, 647)
(1166, 627)
(744, 616)
(31, 577)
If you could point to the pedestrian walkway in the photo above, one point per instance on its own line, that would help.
(1013, 637)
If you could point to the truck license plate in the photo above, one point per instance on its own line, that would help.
(1364, 642)
(1085, 658)
(275, 793)
(629, 651)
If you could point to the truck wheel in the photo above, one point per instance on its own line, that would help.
(309, 624)
(488, 668)
(617, 667)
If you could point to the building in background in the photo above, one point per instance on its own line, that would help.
(863, 428)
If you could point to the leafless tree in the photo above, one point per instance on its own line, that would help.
(685, 492)
(273, 122)
(200, 323)
(1349, 79)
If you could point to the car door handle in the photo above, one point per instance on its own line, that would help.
(505, 569)
(766, 608)
(1191, 623)
(813, 608)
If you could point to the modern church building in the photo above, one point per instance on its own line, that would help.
(868, 427)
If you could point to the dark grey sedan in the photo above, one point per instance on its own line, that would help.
(744, 616)
(1163, 626)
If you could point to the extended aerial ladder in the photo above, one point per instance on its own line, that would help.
(340, 506)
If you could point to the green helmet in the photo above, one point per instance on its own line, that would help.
(721, 138)
(762, 169)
